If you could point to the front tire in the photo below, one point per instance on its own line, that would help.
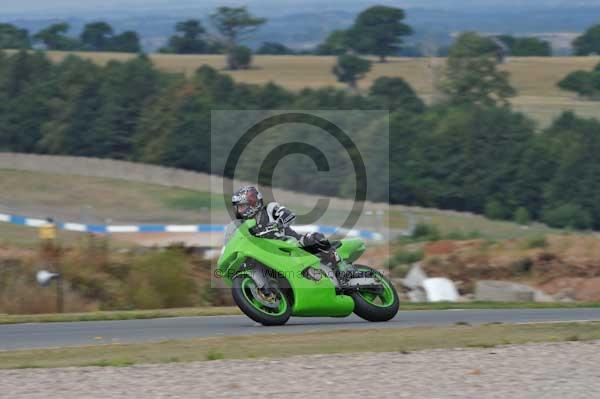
(376, 307)
(274, 311)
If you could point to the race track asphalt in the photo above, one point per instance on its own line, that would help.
(43, 335)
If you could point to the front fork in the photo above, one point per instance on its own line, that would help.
(260, 275)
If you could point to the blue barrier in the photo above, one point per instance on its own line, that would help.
(168, 228)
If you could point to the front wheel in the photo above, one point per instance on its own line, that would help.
(271, 309)
(376, 306)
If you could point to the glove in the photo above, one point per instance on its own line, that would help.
(269, 230)
(317, 240)
(284, 216)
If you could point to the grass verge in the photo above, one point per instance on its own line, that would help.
(230, 310)
(283, 345)
(120, 315)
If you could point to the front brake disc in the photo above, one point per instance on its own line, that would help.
(270, 302)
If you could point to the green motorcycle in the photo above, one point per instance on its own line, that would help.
(272, 280)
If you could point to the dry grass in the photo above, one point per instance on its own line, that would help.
(283, 345)
(451, 222)
(534, 77)
(545, 109)
(94, 200)
(27, 237)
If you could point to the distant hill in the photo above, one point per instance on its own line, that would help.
(303, 24)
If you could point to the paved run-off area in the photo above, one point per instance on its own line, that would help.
(552, 370)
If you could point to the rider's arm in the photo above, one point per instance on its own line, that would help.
(280, 221)
(284, 219)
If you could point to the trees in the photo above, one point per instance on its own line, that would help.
(584, 83)
(125, 90)
(471, 74)
(234, 23)
(190, 29)
(571, 143)
(54, 38)
(12, 37)
(378, 30)
(274, 48)
(472, 45)
(589, 42)
(192, 39)
(396, 94)
(334, 44)
(73, 104)
(464, 157)
(531, 47)
(24, 89)
(350, 68)
(126, 42)
(471, 157)
(526, 46)
(100, 36)
(96, 36)
(239, 57)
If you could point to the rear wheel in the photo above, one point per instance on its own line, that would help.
(373, 305)
(272, 309)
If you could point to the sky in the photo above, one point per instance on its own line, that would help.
(12, 6)
(66, 8)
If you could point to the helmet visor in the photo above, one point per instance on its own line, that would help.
(242, 209)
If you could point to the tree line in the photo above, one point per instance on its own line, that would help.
(95, 36)
(468, 152)
(375, 31)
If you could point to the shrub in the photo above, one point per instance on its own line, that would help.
(425, 232)
(463, 235)
(212, 355)
(398, 270)
(162, 280)
(567, 216)
(496, 210)
(522, 216)
(536, 242)
(407, 257)
(522, 266)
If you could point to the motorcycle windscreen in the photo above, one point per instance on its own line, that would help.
(230, 230)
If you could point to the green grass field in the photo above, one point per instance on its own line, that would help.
(284, 345)
(534, 77)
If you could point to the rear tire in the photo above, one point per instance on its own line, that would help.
(241, 291)
(376, 308)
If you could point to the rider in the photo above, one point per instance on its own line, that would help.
(274, 221)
